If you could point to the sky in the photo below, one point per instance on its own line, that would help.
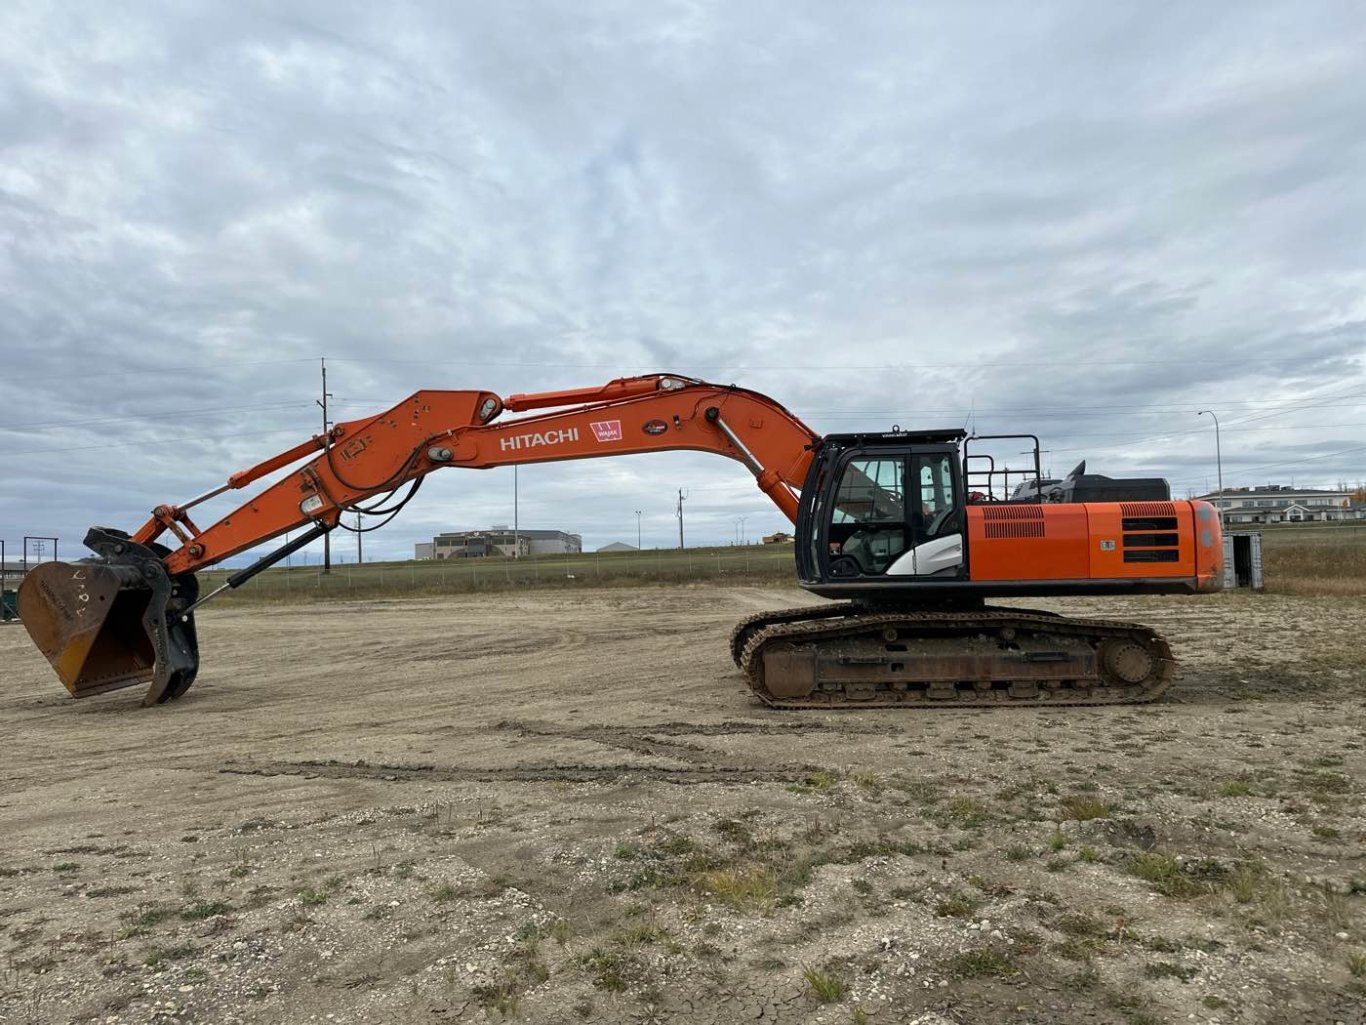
(1083, 221)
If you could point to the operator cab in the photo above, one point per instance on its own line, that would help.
(883, 509)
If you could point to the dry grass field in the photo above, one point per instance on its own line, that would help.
(561, 805)
(1316, 558)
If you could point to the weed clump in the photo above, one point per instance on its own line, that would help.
(747, 886)
(1163, 873)
(966, 812)
(1083, 808)
(824, 985)
(612, 970)
(1079, 925)
(158, 959)
(982, 963)
(815, 783)
(1167, 970)
(444, 893)
(522, 970)
(957, 905)
(867, 779)
(200, 910)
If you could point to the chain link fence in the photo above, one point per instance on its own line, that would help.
(742, 564)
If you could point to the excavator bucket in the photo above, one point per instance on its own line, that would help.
(113, 621)
(86, 617)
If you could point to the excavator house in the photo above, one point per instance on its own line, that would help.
(904, 530)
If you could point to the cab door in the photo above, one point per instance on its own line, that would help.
(881, 513)
(868, 529)
(936, 537)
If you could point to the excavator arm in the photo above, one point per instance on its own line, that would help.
(127, 615)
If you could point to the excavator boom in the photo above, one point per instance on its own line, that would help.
(127, 615)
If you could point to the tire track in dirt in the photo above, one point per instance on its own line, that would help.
(707, 766)
(548, 774)
(649, 740)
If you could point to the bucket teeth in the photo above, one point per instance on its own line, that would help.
(113, 621)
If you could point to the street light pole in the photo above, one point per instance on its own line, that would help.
(1219, 460)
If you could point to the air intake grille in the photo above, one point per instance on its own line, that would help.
(1150, 532)
(1151, 555)
(1013, 521)
(1146, 509)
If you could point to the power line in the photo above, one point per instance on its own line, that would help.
(1287, 462)
(102, 446)
(198, 371)
(150, 416)
(916, 365)
(907, 414)
(1052, 412)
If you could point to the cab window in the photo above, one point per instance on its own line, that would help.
(868, 520)
(935, 480)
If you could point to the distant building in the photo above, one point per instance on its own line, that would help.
(618, 546)
(780, 538)
(499, 541)
(1278, 503)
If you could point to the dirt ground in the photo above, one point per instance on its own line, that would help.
(565, 807)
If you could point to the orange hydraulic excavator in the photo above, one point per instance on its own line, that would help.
(894, 525)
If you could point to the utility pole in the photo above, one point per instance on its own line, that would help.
(516, 526)
(681, 496)
(1048, 472)
(360, 551)
(327, 426)
(1219, 462)
(638, 528)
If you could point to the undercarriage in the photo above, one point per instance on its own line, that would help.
(853, 655)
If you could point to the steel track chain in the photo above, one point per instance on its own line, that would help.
(741, 633)
(1096, 631)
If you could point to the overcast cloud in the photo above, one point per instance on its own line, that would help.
(1083, 220)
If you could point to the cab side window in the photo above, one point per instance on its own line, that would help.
(937, 511)
(868, 522)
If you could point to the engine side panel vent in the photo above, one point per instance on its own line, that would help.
(1012, 521)
(1151, 555)
(1149, 523)
(1152, 540)
(1146, 509)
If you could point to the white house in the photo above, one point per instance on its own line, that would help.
(1278, 503)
